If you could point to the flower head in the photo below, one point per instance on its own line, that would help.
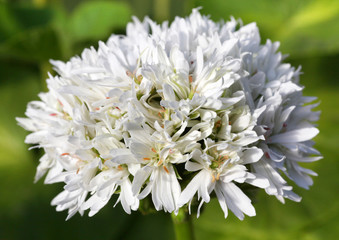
(173, 113)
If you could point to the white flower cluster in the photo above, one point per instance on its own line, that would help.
(174, 113)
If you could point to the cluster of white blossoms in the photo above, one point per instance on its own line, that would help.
(174, 113)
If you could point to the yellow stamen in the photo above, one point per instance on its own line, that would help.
(190, 78)
(129, 73)
(165, 168)
(223, 158)
(218, 176)
(138, 79)
(218, 124)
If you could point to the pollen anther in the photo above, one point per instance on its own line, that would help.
(166, 169)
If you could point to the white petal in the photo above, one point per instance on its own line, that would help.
(252, 155)
(241, 123)
(204, 186)
(127, 198)
(146, 191)
(176, 189)
(258, 181)
(27, 124)
(124, 159)
(140, 178)
(179, 61)
(222, 201)
(140, 150)
(299, 135)
(236, 172)
(237, 201)
(200, 61)
(193, 186)
(168, 93)
(166, 193)
(156, 190)
(193, 166)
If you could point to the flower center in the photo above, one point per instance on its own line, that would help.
(156, 160)
(217, 162)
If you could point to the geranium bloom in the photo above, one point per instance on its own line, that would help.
(174, 113)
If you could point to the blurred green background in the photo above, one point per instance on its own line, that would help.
(34, 31)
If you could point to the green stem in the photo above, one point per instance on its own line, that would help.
(183, 226)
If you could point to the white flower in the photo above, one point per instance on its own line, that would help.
(157, 153)
(194, 105)
(220, 165)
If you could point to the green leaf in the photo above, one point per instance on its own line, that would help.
(268, 15)
(31, 17)
(313, 29)
(95, 20)
(8, 23)
(15, 18)
(35, 45)
(304, 27)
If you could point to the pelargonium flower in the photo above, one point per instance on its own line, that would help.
(173, 113)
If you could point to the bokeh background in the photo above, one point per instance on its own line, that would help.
(34, 31)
